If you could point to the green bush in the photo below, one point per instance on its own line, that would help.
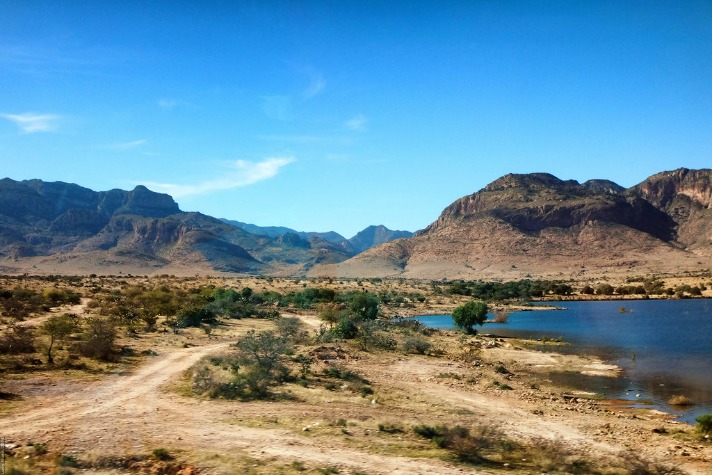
(162, 454)
(195, 316)
(67, 461)
(704, 423)
(466, 445)
(390, 428)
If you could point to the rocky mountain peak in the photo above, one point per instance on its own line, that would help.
(145, 202)
(529, 181)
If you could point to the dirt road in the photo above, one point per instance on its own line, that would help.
(129, 414)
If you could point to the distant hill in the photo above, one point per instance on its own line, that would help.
(363, 240)
(276, 231)
(538, 225)
(65, 228)
(374, 236)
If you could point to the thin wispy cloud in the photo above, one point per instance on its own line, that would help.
(240, 173)
(59, 56)
(167, 104)
(121, 146)
(357, 123)
(277, 107)
(317, 83)
(304, 139)
(31, 123)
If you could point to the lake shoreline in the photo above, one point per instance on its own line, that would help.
(658, 361)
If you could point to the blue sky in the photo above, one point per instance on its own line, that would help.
(334, 115)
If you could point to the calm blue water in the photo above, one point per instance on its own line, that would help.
(663, 346)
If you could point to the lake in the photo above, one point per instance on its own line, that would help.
(663, 346)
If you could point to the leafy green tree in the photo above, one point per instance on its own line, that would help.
(468, 315)
(57, 328)
(364, 306)
(329, 313)
(605, 289)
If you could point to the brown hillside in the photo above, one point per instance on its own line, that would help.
(538, 225)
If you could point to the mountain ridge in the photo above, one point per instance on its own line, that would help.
(518, 226)
(367, 238)
(536, 224)
(61, 226)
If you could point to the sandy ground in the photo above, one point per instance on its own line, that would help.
(132, 411)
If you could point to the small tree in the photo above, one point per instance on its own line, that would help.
(468, 315)
(98, 338)
(329, 313)
(364, 306)
(57, 328)
(261, 356)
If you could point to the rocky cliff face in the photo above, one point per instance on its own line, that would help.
(686, 197)
(524, 224)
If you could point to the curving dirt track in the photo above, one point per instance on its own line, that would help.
(129, 414)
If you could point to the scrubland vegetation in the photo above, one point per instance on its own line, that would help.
(328, 348)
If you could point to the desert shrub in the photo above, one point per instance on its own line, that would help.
(634, 464)
(346, 329)
(290, 328)
(500, 316)
(358, 384)
(466, 445)
(202, 379)
(414, 344)
(680, 400)
(330, 313)
(162, 454)
(39, 449)
(16, 340)
(195, 316)
(704, 423)
(604, 289)
(61, 296)
(98, 338)
(587, 290)
(261, 356)
(305, 363)
(65, 460)
(372, 334)
(390, 428)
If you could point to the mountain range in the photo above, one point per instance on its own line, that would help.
(365, 239)
(538, 225)
(61, 227)
(520, 225)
